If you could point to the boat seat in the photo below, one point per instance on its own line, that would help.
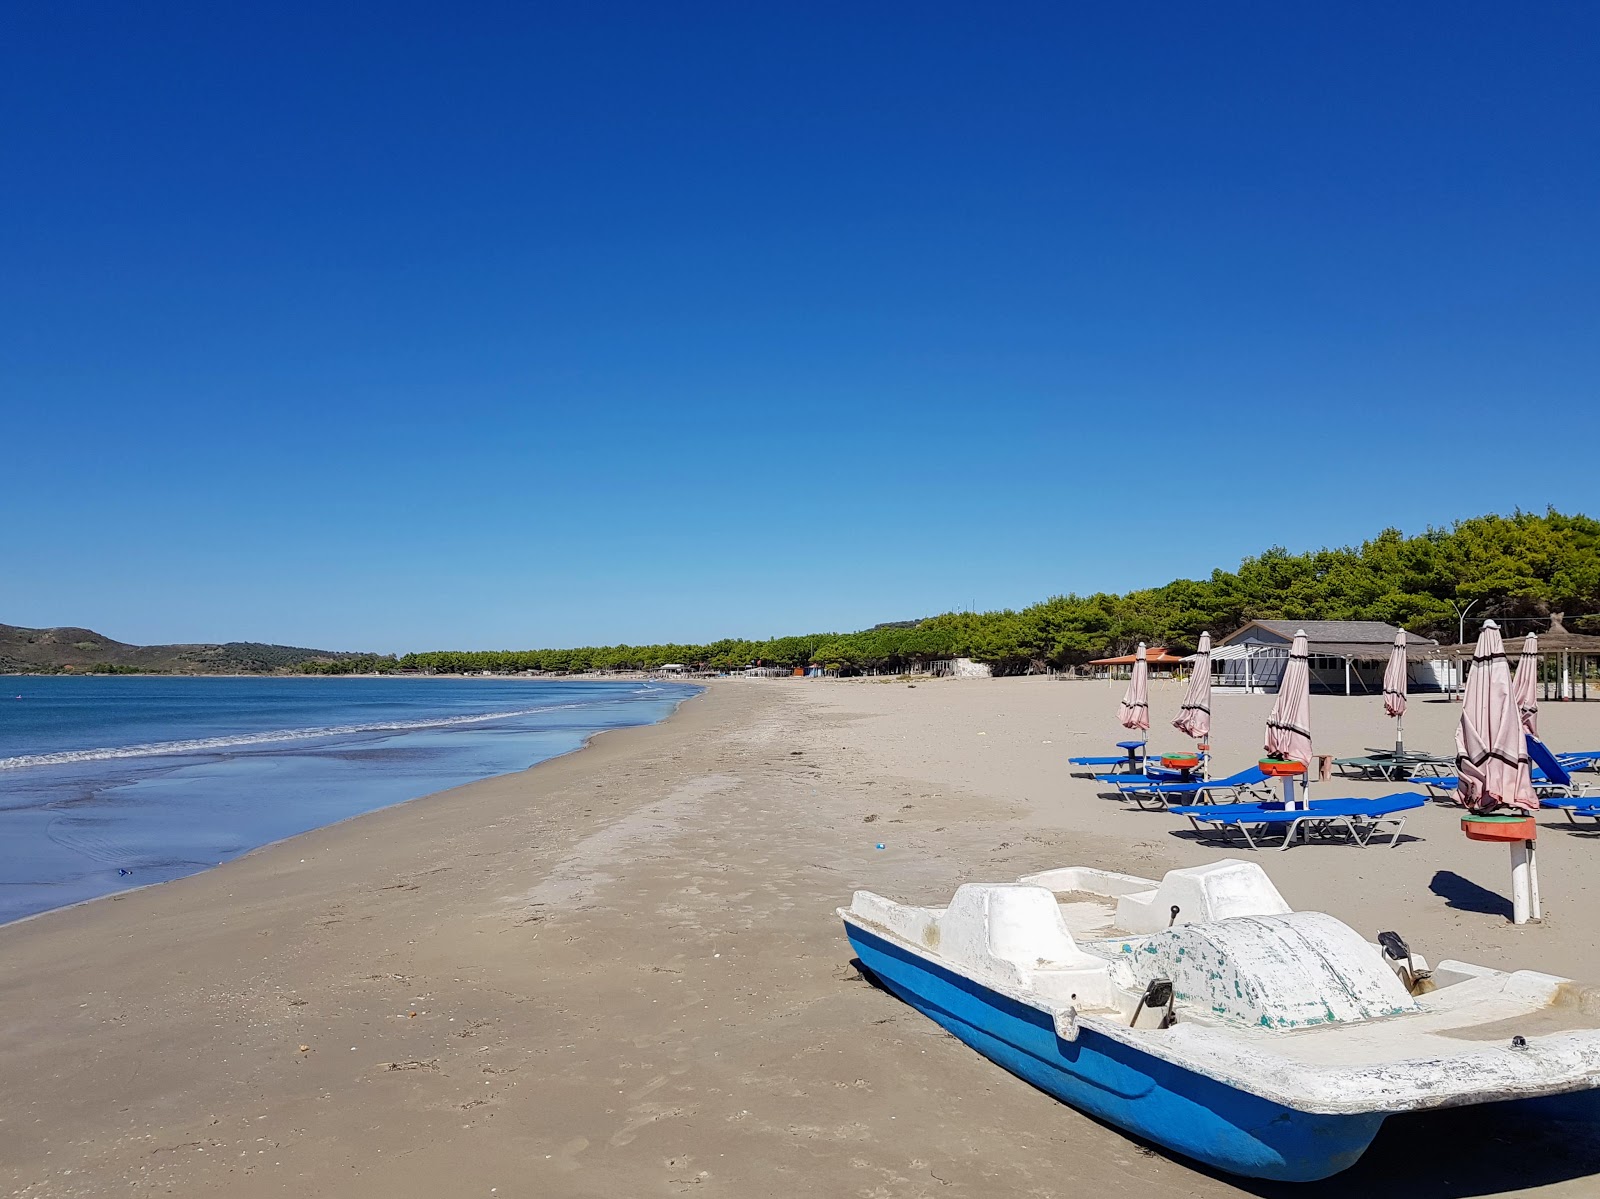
(1218, 891)
(1009, 931)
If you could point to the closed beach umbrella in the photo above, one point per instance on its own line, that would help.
(1525, 686)
(1289, 726)
(1194, 715)
(1394, 690)
(1135, 710)
(1491, 754)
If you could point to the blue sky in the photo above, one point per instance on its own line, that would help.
(412, 326)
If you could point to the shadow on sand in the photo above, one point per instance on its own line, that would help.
(1464, 895)
(1464, 1152)
(1230, 842)
(1573, 829)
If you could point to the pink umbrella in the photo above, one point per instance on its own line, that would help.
(1491, 754)
(1194, 714)
(1135, 710)
(1289, 726)
(1394, 690)
(1525, 685)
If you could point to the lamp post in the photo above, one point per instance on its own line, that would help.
(1461, 637)
(1461, 620)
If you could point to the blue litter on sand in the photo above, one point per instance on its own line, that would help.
(880, 844)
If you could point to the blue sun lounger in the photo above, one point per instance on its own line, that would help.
(1556, 788)
(1558, 782)
(1361, 819)
(1577, 812)
(1131, 761)
(1156, 794)
(1552, 792)
(1552, 780)
(1152, 772)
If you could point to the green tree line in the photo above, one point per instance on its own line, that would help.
(1517, 566)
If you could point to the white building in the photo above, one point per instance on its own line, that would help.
(1347, 657)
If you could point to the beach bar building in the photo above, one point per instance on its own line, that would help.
(1347, 657)
(1569, 663)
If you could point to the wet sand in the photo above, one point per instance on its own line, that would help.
(620, 973)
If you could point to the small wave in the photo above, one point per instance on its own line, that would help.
(201, 744)
(82, 839)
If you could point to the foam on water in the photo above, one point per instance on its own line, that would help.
(111, 783)
(201, 744)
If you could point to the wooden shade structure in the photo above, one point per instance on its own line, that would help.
(1155, 656)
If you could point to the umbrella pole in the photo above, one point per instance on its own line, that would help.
(1533, 884)
(1400, 735)
(1524, 884)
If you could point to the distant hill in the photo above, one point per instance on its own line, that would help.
(83, 651)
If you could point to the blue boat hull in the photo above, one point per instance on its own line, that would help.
(1183, 1111)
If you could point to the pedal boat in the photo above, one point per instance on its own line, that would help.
(1204, 1015)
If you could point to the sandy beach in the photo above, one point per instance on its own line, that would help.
(620, 973)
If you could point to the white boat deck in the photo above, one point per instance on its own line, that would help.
(1088, 917)
(1296, 1007)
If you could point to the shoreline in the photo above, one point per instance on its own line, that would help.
(588, 740)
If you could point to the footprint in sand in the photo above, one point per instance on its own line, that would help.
(566, 1157)
(655, 1083)
(649, 1115)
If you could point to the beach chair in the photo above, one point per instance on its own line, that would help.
(1157, 795)
(1416, 763)
(1552, 781)
(1152, 772)
(1156, 772)
(1131, 762)
(1368, 767)
(1392, 767)
(1152, 775)
(1557, 783)
(1577, 811)
(1556, 788)
(1552, 792)
(1360, 819)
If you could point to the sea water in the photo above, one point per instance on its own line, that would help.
(108, 783)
